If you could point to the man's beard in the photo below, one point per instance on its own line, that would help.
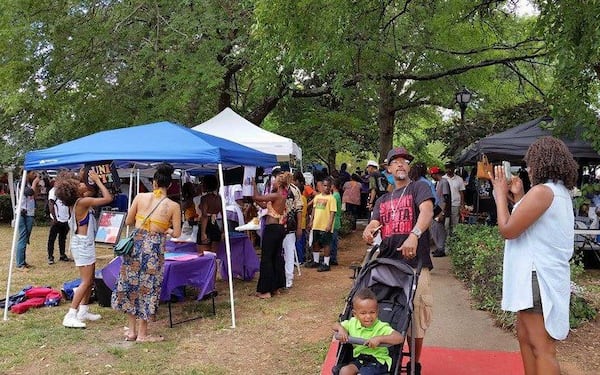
(401, 176)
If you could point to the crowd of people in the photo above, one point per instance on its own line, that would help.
(411, 207)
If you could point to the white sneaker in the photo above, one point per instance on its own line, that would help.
(71, 321)
(84, 315)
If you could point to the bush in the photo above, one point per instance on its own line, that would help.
(346, 223)
(477, 254)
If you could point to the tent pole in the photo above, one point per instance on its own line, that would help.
(17, 215)
(227, 243)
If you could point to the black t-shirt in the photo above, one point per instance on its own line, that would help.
(398, 212)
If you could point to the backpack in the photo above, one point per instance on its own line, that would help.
(381, 183)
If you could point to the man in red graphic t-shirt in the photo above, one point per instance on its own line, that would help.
(405, 215)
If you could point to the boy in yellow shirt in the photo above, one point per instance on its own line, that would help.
(324, 209)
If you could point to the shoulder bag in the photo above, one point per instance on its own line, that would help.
(125, 245)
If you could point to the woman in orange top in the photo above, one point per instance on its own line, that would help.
(140, 278)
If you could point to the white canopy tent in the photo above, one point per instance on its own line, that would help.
(231, 126)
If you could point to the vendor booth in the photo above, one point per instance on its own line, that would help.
(141, 147)
(512, 144)
(230, 125)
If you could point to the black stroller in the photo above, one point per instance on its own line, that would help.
(394, 283)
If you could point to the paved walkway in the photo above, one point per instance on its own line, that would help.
(455, 323)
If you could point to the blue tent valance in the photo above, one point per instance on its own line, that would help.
(146, 144)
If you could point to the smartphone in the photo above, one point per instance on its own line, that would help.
(377, 230)
(507, 173)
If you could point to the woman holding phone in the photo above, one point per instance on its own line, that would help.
(539, 243)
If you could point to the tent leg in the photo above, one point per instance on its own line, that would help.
(14, 241)
(227, 244)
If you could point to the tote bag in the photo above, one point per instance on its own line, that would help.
(483, 168)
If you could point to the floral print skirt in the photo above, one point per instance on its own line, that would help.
(140, 276)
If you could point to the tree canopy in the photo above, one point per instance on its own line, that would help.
(334, 75)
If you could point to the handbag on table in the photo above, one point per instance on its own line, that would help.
(125, 245)
(483, 168)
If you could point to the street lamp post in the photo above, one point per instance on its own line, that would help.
(463, 97)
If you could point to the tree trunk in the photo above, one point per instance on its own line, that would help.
(385, 119)
(331, 160)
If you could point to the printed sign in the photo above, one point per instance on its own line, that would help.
(110, 225)
(107, 171)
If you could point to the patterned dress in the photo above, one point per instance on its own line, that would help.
(140, 276)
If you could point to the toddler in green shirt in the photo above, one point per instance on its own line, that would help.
(370, 358)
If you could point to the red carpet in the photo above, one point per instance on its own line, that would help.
(443, 361)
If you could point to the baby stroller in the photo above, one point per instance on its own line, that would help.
(394, 283)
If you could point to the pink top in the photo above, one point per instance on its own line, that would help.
(352, 192)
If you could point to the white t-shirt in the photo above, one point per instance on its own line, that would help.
(456, 186)
(62, 211)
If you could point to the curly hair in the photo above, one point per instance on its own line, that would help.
(548, 158)
(66, 187)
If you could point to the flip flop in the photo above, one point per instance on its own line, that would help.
(150, 338)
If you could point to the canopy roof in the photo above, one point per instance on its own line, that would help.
(512, 144)
(230, 125)
(146, 144)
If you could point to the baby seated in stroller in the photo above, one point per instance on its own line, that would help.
(369, 358)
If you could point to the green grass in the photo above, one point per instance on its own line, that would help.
(286, 335)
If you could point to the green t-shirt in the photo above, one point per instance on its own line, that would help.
(337, 220)
(378, 328)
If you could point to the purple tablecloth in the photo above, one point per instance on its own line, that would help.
(244, 261)
(199, 273)
(181, 247)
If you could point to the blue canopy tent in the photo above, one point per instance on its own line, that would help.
(140, 147)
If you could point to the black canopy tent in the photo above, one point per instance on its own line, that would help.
(512, 144)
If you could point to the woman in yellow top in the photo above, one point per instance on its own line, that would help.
(140, 278)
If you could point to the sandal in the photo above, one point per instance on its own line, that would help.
(150, 338)
(130, 338)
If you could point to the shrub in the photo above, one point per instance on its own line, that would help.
(477, 254)
(346, 223)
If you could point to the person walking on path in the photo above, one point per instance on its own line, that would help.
(539, 244)
(438, 229)
(59, 227)
(81, 199)
(404, 216)
(457, 196)
(351, 197)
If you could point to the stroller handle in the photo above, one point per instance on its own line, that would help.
(358, 341)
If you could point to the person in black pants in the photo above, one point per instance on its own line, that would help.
(59, 216)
